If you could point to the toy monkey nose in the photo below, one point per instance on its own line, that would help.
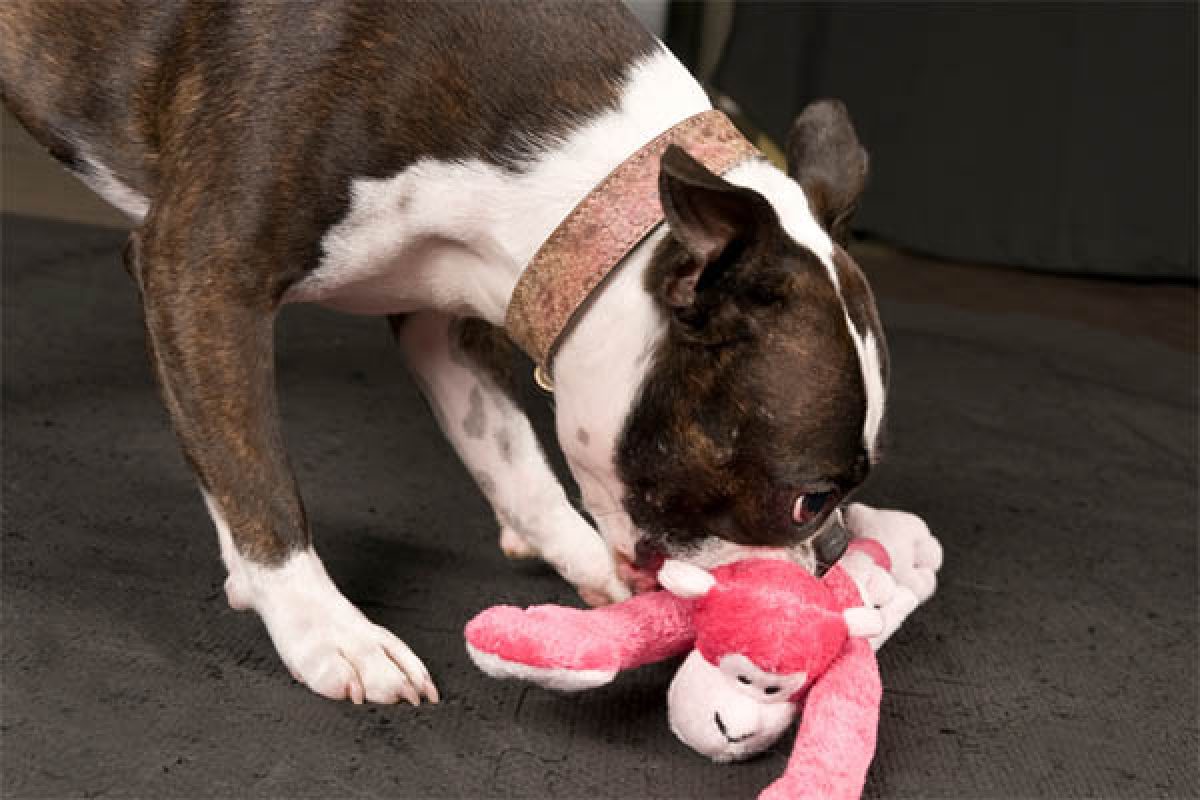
(725, 733)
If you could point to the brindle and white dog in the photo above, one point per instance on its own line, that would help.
(409, 159)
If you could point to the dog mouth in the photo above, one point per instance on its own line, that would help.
(640, 573)
(822, 545)
(813, 522)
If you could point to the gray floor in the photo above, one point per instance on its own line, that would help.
(1051, 445)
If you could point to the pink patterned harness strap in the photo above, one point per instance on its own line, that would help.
(599, 232)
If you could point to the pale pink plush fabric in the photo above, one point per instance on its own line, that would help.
(609, 222)
(873, 549)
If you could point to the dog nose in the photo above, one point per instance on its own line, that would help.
(725, 731)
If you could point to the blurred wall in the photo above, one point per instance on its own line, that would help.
(1055, 137)
(651, 13)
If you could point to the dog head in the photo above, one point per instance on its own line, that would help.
(760, 406)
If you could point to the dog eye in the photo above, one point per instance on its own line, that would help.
(771, 690)
(743, 679)
(811, 505)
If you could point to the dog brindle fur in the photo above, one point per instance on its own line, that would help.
(710, 448)
(723, 389)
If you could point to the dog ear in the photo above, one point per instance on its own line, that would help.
(707, 215)
(826, 159)
(685, 580)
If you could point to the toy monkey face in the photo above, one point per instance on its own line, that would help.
(757, 683)
(732, 711)
(734, 708)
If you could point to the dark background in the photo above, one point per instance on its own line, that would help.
(1059, 137)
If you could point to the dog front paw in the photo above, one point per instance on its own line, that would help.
(584, 560)
(327, 644)
(557, 533)
(357, 661)
(613, 591)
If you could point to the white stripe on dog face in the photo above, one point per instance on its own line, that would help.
(872, 370)
(791, 205)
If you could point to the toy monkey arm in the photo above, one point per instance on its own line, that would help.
(836, 740)
(571, 649)
(863, 577)
(845, 589)
(913, 553)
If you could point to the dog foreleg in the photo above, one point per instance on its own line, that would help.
(209, 323)
(461, 366)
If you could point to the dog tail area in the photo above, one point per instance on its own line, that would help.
(78, 94)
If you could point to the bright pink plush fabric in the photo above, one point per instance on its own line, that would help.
(843, 588)
(838, 726)
(773, 612)
(642, 630)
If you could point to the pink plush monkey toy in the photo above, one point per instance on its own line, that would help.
(767, 638)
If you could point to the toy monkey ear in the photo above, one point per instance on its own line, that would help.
(863, 622)
(685, 580)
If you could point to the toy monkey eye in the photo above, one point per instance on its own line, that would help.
(743, 679)
(771, 690)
